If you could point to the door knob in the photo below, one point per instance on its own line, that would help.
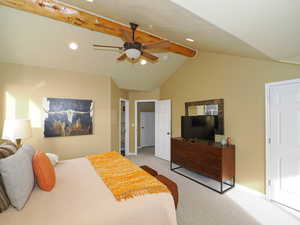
(168, 133)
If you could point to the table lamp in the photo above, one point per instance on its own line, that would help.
(16, 130)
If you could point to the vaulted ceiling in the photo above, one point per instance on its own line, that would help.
(171, 21)
(258, 29)
(270, 26)
(34, 40)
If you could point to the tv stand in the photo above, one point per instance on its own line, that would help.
(206, 158)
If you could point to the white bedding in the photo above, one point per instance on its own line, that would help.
(80, 197)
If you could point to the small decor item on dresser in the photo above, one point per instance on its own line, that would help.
(229, 140)
(223, 141)
(67, 117)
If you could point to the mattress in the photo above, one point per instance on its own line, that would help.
(80, 197)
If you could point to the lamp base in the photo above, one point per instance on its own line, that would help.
(19, 142)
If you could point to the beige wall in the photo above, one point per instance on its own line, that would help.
(116, 95)
(27, 86)
(240, 81)
(133, 96)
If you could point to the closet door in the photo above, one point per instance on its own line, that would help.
(284, 144)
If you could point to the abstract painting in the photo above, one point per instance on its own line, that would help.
(67, 117)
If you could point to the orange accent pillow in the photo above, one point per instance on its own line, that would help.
(44, 171)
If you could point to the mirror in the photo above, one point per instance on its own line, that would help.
(200, 110)
(208, 107)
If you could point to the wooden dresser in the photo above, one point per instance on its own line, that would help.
(209, 159)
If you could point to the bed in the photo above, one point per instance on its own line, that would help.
(80, 197)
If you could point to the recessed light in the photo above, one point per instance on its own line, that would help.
(189, 39)
(89, 0)
(143, 62)
(165, 57)
(73, 45)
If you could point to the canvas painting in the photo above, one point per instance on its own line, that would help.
(67, 117)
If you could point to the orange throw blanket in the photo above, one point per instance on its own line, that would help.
(124, 178)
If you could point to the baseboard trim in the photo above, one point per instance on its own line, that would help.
(131, 153)
(250, 191)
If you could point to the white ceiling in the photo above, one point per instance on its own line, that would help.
(263, 29)
(271, 26)
(35, 40)
(172, 22)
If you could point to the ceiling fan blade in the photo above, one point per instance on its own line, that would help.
(160, 44)
(107, 46)
(149, 56)
(122, 57)
(127, 36)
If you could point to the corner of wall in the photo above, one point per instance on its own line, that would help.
(115, 95)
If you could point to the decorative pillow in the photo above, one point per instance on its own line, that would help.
(4, 200)
(53, 158)
(44, 171)
(7, 148)
(17, 175)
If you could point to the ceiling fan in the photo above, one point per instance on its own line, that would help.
(133, 49)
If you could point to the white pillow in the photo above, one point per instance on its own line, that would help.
(53, 158)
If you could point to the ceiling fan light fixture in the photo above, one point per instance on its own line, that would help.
(143, 62)
(133, 53)
(189, 39)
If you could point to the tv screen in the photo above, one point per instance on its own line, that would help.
(200, 127)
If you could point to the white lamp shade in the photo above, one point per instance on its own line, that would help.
(16, 129)
(133, 53)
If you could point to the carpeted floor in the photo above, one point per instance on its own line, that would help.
(201, 206)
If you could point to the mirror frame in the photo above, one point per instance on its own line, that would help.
(219, 102)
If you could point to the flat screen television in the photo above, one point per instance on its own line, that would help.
(200, 127)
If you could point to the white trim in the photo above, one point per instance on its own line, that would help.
(156, 142)
(267, 146)
(135, 121)
(268, 123)
(126, 125)
(131, 153)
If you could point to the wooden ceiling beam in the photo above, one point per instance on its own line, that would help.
(67, 14)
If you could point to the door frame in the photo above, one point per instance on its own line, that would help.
(268, 86)
(126, 125)
(136, 122)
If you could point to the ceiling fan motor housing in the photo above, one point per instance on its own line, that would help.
(135, 45)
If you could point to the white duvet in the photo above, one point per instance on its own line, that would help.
(81, 198)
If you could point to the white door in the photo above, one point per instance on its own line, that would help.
(147, 129)
(284, 143)
(163, 137)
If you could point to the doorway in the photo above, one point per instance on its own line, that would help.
(146, 127)
(124, 127)
(160, 146)
(283, 142)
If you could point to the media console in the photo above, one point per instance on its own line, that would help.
(206, 158)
